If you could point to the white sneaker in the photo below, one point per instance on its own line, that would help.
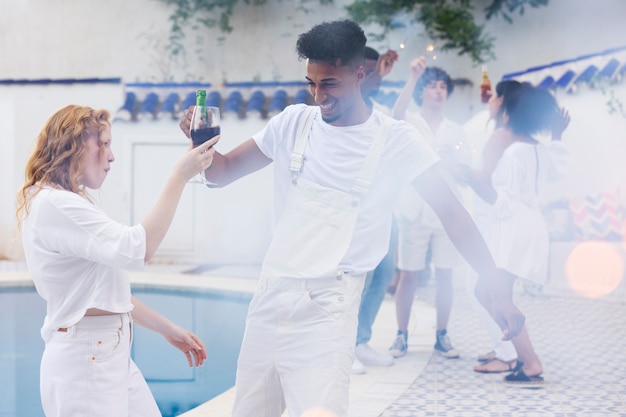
(369, 356)
(357, 367)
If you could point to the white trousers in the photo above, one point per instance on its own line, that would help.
(298, 346)
(86, 371)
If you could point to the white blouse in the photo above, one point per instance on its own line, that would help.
(77, 256)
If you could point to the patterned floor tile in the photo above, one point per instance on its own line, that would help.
(581, 343)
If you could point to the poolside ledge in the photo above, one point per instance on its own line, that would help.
(370, 393)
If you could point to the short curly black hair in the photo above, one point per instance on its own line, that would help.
(431, 74)
(340, 43)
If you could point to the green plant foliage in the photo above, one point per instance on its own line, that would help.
(449, 22)
(501, 7)
(199, 13)
(605, 85)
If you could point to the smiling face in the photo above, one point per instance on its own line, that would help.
(96, 160)
(336, 89)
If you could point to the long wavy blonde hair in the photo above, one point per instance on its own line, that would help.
(56, 159)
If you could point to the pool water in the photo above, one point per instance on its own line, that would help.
(217, 318)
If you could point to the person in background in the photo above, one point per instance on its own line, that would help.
(337, 167)
(502, 357)
(420, 230)
(376, 281)
(376, 67)
(514, 167)
(78, 258)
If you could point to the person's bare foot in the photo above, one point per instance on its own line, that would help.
(486, 357)
(495, 366)
(534, 369)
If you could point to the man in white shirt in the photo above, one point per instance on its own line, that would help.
(336, 176)
(422, 237)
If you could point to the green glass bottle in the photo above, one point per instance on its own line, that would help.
(201, 98)
(201, 102)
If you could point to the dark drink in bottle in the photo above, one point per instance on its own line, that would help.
(199, 136)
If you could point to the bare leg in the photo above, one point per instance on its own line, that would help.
(526, 353)
(405, 291)
(393, 285)
(443, 297)
(502, 350)
(523, 346)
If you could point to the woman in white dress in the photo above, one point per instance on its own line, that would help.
(514, 166)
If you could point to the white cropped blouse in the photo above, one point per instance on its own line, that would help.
(78, 257)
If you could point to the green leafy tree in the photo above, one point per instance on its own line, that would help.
(451, 23)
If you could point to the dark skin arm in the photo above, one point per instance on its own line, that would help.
(464, 234)
(239, 162)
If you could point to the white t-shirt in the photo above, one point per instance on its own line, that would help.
(77, 255)
(333, 157)
(449, 135)
(381, 108)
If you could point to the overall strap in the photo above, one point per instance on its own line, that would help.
(303, 133)
(364, 180)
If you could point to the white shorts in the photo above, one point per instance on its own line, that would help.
(414, 239)
(86, 370)
(298, 346)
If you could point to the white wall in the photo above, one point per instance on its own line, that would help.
(23, 112)
(85, 39)
(597, 141)
(212, 226)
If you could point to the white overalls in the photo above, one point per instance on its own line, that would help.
(301, 326)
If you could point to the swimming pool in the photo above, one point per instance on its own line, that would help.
(218, 318)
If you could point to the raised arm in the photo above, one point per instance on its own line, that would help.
(467, 239)
(158, 220)
(561, 121)
(239, 162)
(417, 67)
(560, 160)
(385, 63)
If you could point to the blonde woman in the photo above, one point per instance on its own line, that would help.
(78, 258)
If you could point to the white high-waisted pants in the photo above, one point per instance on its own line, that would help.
(86, 371)
(298, 346)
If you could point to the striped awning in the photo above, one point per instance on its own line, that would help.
(607, 65)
